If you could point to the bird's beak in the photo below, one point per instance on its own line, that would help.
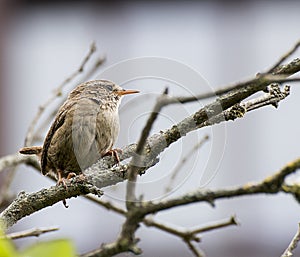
(127, 92)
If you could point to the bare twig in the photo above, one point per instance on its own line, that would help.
(99, 62)
(189, 235)
(32, 232)
(273, 97)
(57, 92)
(232, 221)
(270, 78)
(183, 161)
(182, 233)
(136, 161)
(107, 205)
(194, 249)
(270, 185)
(292, 246)
(284, 57)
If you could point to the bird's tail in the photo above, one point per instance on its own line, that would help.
(31, 150)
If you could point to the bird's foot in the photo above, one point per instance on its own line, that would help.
(114, 153)
(63, 181)
(71, 175)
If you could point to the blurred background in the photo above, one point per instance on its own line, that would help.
(43, 42)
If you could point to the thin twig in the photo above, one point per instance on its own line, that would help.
(136, 161)
(31, 232)
(99, 62)
(57, 92)
(191, 234)
(105, 204)
(292, 246)
(232, 221)
(182, 233)
(268, 78)
(194, 250)
(270, 185)
(284, 57)
(272, 97)
(183, 161)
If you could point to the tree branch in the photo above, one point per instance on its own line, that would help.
(190, 235)
(270, 185)
(26, 204)
(31, 232)
(292, 246)
(136, 162)
(284, 57)
(185, 158)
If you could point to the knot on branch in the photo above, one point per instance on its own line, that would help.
(276, 94)
(236, 111)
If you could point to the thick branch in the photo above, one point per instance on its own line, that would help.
(270, 185)
(26, 204)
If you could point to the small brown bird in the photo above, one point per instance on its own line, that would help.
(84, 130)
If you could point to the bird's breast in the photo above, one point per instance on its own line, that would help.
(107, 129)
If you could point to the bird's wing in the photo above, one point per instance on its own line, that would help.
(58, 122)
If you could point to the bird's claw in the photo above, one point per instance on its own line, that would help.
(63, 181)
(114, 153)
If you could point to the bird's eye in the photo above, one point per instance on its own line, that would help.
(109, 87)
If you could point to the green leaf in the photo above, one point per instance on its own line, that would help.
(55, 248)
(7, 249)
